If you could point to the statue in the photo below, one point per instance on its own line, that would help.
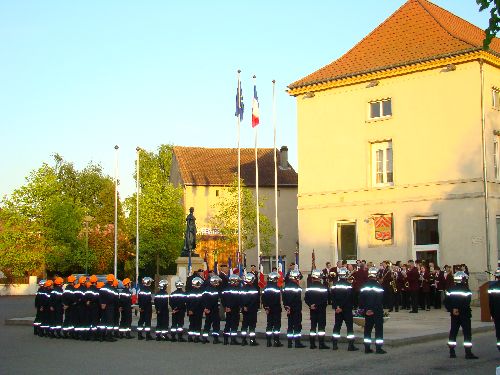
(190, 235)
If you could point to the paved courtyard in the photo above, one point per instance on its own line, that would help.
(23, 353)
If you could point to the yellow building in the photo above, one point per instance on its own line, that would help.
(398, 146)
(205, 174)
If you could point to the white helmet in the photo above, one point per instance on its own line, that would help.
(163, 284)
(373, 272)
(459, 277)
(197, 282)
(273, 276)
(234, 279)
(342, 272)
(215, 280)
(497, 272)
(249, 278)
(147, 281)
(179, 284)
(294, 275)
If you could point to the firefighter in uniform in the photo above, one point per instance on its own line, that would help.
(79, 306)
(316, 297)
(67, 300)
(292, 301)
(210, 300)
(38, 304)
(125, 307)
(194, 307)
(178, 306)
(271, 301)
(494, 301)
(249, 306)
(342, 301)
(457, 302)
(231, 302)
(161, 307)
(107, 301)
(116, 309)
(92, 307)
(145, 308)
(45, 309)
(56, 308)
(371, 300)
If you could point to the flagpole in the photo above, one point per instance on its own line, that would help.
(138, 149)
(275, 177)
(256, 178)
(116, 212)
(239, 162)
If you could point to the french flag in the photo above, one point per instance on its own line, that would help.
(255, 108)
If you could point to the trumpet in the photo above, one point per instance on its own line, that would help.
(350, 277)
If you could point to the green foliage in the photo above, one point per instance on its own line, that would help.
(53, 204)
(226, 219)
(493, 27)
(161, 216)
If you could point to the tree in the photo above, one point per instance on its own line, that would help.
(493, 27)
(226, 219)
(161, 216)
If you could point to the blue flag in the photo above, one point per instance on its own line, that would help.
(239, 102)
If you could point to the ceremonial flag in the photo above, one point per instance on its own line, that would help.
(255, 108)
(313, 261)
(281, 268)
(262, 279)
(240, 107)
(297, 260)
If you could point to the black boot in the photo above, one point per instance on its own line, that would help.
(158, 337)
(35, 330)
(379, 349)
(290, 343)
(244, 341)
(196, 339)
(204, 340)
(269, 340)
(226, 339)
(116, 334)
(128, 335)
(216, 340)
(190, 338)
(312, 342)
(109, 337)
(234, 341)
(120, 335)
(469, 354)
(139, 335)
(277, 342)
(334, 344)
(253, 342)
(298, 343)
(368, 349)
(148, 336)
(452, 353)
(180, 338)
(172, 337)
(352, 347)
(322, 344)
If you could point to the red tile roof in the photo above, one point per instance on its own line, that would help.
(416, 32)
(218, 166)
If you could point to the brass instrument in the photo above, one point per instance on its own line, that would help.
(393, 282)
(350, 277)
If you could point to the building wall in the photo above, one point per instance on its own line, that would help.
(435, 129)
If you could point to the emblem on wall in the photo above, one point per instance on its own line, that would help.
(383, 226)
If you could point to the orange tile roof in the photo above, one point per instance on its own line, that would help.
(217, 166)
(417, 31)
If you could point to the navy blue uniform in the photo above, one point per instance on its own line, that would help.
(317, 295)
(178, 306)
(125, 306)
(459, 297)
(56, 310)
(231, 302)
(249, 307)
(92, 308)
(342, 297)
(146, 310)
(210, 300)
(292, 301)
(271, 301)
(161, 306)
(69, 310)
(194, 307)
(371, 297)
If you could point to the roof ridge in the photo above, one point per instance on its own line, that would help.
(441, 24)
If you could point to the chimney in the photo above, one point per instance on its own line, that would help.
(284, 157)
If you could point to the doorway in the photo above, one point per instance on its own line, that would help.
(347, 246)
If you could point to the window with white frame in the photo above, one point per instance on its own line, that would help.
(382, 173)
(495, 158)
(380, 109)
(495, 98)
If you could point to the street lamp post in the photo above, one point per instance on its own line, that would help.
(138, 149)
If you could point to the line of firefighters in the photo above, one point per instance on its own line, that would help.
(88, 311)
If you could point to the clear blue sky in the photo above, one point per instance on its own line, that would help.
(79, 77)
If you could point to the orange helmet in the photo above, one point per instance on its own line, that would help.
(115, 282)
(48, 283)
(71, 279)
(93, 279)
(58, 280)
(100, 284)
(82, 280)
(88, 284)
(126, 281)
(110, 277)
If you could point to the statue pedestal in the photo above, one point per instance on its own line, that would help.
(182, 266)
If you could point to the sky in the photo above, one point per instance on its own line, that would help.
(79, 77)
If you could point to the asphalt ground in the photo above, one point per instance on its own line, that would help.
(23, 353)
